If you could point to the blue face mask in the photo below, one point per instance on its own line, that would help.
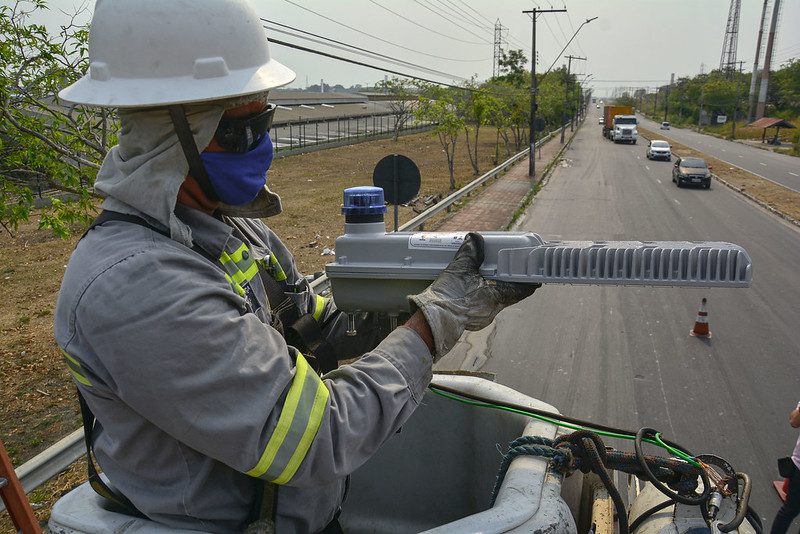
(239, 177)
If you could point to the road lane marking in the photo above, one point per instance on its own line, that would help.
(764, 164)
(646, 167)
(637, 157)
(657, 180)
(676, 201)
(793, 174)
(724, 150)
(741, 156)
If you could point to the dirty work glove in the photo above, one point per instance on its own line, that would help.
(460, 298)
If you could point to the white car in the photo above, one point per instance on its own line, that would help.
(658, 149)
(665, 125)
(601, 120)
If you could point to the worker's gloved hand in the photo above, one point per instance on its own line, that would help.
(460, 298)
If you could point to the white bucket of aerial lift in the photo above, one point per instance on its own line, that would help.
(154, 53)
(435, 475)
(376, 271)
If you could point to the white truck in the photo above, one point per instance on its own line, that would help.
(624, 130)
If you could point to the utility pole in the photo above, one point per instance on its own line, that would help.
(751, 107)
(532, 136)
(655, 101)
(566, 94)
(666, 98)
(700, 115)
(762, 94)
(738, 94)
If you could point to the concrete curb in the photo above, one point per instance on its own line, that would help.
(747, 195)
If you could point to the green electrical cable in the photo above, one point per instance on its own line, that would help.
(656, 441)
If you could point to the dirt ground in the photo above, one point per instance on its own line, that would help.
(37, 401)
(778, 197)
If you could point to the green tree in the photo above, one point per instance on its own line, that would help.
(402, 103)
(437, 105)
(45, 145)
(512, 66)
(786, 82)
(473, 106)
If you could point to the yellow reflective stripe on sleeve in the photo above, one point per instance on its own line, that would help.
(239, 267)
(319, 307)
(297, 426)
(277, 271)
(236, 287)
(74, 367)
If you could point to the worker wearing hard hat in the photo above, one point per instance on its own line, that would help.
(192, 337)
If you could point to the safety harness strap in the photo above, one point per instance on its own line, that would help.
(95, 480)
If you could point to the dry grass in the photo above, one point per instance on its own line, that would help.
(776, 196)
(37, 400)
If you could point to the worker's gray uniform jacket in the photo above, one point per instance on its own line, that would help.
(198, 399)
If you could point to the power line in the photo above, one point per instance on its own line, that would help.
(383, 69)
(577, 41)
(380, 38)
(437, 32)
(468, 16)
(564, 35)
(458, 14)
(450, 20)
(475, 11)
(355, 49)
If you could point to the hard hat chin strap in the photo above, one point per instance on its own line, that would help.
(196, 168)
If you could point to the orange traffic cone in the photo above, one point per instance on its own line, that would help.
(701, 323)
(782, 487)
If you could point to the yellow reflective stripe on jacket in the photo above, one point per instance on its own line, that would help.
(239, 267)
(319, 307)
(75, 368)
(297, 426)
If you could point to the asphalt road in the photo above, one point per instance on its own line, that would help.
(778, 168)
(622, 355)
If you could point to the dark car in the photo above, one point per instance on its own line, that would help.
(691, 171)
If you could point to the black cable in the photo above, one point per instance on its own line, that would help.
(390, 71)
(755, 520)
(437, 32)
(380, 38)
(451, 21)
(674, 495)
(346, 47)
(741, 504)
(649, 512)
(362, 64)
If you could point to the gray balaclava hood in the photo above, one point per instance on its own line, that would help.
(143, 173)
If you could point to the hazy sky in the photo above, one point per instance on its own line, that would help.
(633, 43)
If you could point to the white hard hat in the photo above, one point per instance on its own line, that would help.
(146, 53)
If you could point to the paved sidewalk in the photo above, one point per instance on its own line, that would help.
(494, 205)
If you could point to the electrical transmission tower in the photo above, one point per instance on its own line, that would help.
(727, 61)
(499, 41)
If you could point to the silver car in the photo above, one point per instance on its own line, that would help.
(658, 149)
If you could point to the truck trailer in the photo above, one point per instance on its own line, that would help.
(619, 124)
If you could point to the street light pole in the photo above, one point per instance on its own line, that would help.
(532, 125)
(566, 95)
